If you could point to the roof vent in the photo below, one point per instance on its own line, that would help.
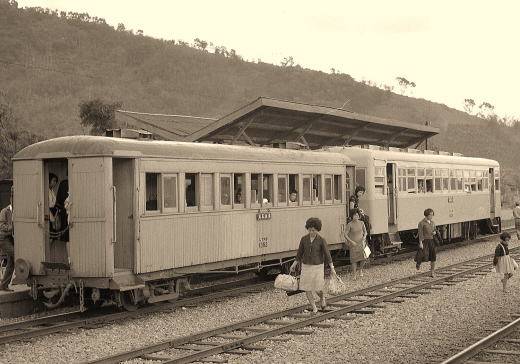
(411, 150)
(457, 154)
(444, 153)
(289, 145)
(129, 134)
(429, 152)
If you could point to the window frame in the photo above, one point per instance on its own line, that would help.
(285, 193)
(303, 200)
(231, 194)
(337, 179)
(165, 209)
(239, 205)
(158, 183)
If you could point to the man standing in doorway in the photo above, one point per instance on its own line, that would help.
(516, 215)
(7, 244)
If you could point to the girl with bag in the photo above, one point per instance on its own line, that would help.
(502, 262)
(313, 252)
(355, 236)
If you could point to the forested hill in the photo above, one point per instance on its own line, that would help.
(50, 62)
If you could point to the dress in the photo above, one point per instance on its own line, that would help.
(503, 261)
(356, 230)
(312, 255)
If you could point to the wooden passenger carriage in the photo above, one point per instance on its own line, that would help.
(146, 213)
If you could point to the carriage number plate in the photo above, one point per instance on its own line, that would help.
(263, 216)
(263, 242)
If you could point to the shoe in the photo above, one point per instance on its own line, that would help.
(417, 266)
(323, 305)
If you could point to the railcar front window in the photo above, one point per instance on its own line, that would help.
(379, 179)
(191, 189)
(306, 189)
(170, 191)
(206, 191)
(328, 188)
(255, 188)
(337, 187)
(152, 191)
(282, 189)
(316, 189)
(239, 186)
(225, 190)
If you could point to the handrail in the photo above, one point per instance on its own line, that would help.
(114, 215)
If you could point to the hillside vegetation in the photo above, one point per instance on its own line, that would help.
(50, 62)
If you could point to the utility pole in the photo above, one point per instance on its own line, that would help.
(427, 123)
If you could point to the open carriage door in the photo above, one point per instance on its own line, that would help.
(28, 213)
(492, 192)
(350, 185)
(91, 217)
(391, 189)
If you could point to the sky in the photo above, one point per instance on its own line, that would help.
(451, 50)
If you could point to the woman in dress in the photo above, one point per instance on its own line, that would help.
(502, 262)
(426, 251)
(355, 236)
(313, 252)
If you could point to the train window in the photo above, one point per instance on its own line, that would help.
(328, 188)
(206, 191)
(293, 189)
(267, 189)
(169, 192)
(225, 190)
(438, 180)
(191, 189)
(306, 194)
(410, 173)
(460, 180)
(337, 187)
(379, 179)
(497, 183)
(256, 184)
(152, 191)
(401, 172)
(429, 180)
(239, 186)
(282, 189)
(453, 180)
(360, 177)
(316, 189)
(485, 180)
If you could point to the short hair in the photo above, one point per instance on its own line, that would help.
(428, 211)
(517, 203)
(355, 211)
(359, 188)
(51, 176)
(505, 235)
(313, 222)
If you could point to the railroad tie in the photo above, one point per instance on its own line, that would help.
(300, 332)
(155, 357)
(395, 300)
(252, 329)
(216, 360)
(276, 323)
(363, 312)
(231, 337)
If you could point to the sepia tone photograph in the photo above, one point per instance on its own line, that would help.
(275, 182)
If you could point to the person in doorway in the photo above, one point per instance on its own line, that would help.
(313, 253)
(516, 216)
(354, 200)
(7, 244)
(355, 236)
(53, 183)
(426, 250)
(503, 262)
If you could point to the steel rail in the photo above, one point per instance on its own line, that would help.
(484, 343)
(476, 265)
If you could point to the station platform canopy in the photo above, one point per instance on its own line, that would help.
(268, 121)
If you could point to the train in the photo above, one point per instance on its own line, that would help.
(144, 217)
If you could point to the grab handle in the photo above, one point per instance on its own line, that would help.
(114, 215)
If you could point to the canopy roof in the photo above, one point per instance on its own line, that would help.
(267, 121)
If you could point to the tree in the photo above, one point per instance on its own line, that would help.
(140, 32)
(200, 44)
(486, 110)
(404, 84)
(469, 104)
(98, 115)
(121, 27)
(287, 62)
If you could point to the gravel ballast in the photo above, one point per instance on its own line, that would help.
(427, 328)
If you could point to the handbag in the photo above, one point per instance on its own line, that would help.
(366, 251)
(286, 282)
(334, 285)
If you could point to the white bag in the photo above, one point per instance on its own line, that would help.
(334, 285)
(366, 252)
(286, 282)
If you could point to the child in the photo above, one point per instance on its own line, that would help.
(502, 262)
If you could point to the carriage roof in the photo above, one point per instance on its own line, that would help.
(89, 146)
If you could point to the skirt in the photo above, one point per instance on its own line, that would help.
(356, 252)
(505, 264)
(517, 224)
(311, 278)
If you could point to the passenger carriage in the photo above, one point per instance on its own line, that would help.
(144, 215)
(400, 184)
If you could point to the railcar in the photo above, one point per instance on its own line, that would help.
(400, 184)
(146, 215)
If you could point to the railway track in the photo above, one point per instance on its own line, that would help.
(501, 346)
(244, 337)
(54, 323)
(23, 330)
